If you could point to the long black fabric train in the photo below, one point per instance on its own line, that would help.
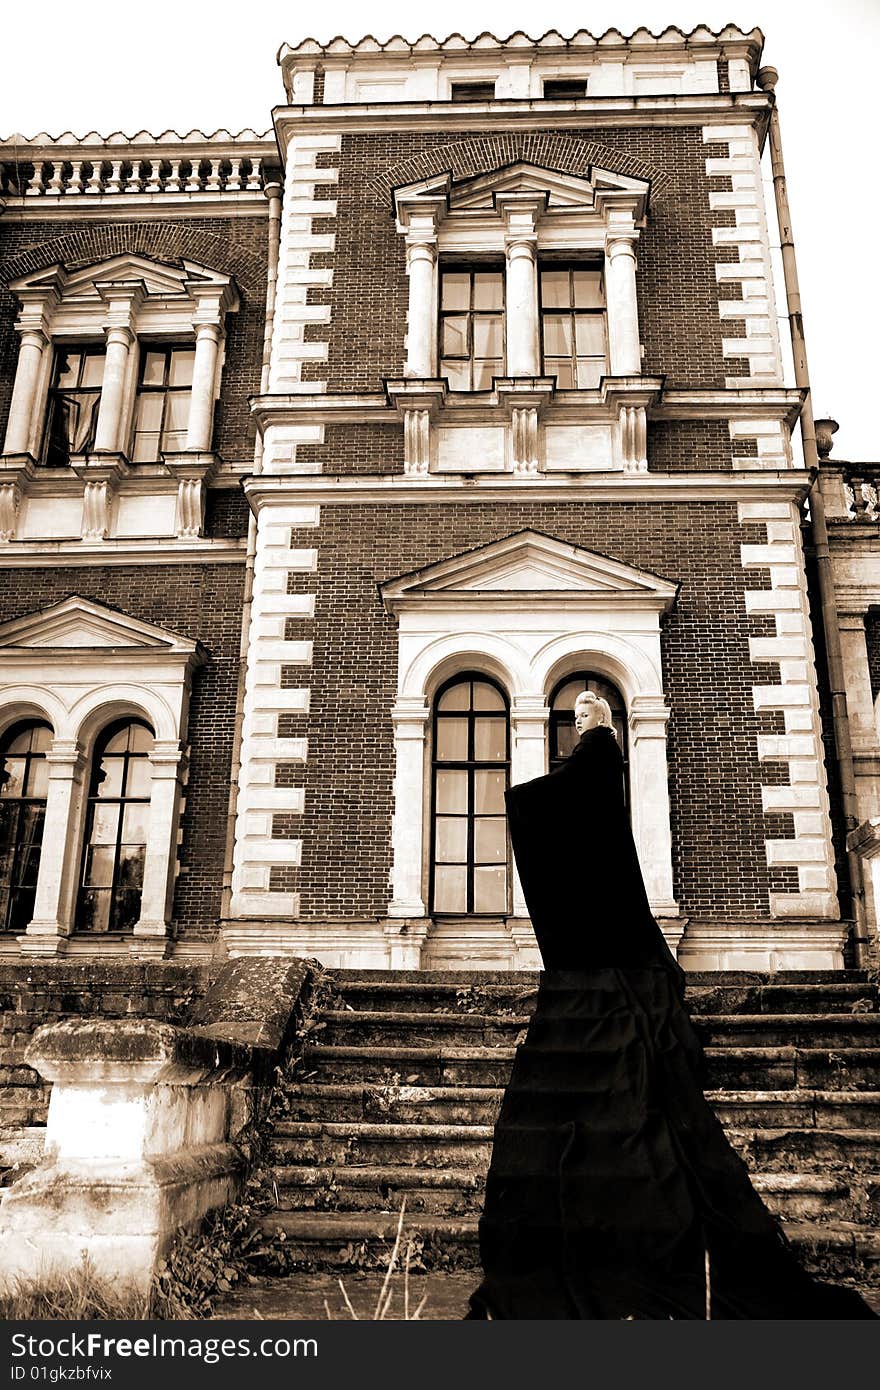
(611, 1177)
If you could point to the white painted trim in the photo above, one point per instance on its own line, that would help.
(165, 550)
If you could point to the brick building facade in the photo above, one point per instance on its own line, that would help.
(336, 463)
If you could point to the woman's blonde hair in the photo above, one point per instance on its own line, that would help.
(604, 707)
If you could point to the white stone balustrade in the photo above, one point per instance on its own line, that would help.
(152, 175)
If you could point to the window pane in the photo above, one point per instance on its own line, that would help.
(21, 909)
(458, 697)
(590, 371)
(488, 292)
(40, 738)
(456, 291)
(490, 741)
(489, 790)
(99, 866)
(557, 334)
(181, 371)
(563, 370)
(67, 365)
(458, 374)
(130, 873)
(490, 840)
(148, 423)
(140, 738)
(109, 778)
(8, 835)
(568, 693)
(452, 740)
(92, 369)
(138, 781)
(104, 825)
(590, 335)
(451, 791)
(484, 371)
(13, 777)
(454, 337)
(589, 291)
(154, 368)
(490, 889)
(134, 823)
(30, 835)
(488, 336)
(487, 697)
(126, 909)
(555, 289)
(451, 840)
(94, 910)
(176, 420)
(37, 777)
(450, 888)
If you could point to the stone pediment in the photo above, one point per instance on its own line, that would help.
(573, 192)
(160, 279)
(77, 624)
(529, 563)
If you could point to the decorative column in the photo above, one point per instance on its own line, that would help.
(521, 213)
(52, 922)
(201, 411)
(620, 296)
(409, 718)
(860, 703)
(123, 299)
(100, 477)
(649, 796)
(418, 220)
(151, 935)
(634, 438)
(529, 717)
(19, 429)
(17, 471)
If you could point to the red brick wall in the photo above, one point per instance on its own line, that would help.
(234, 245)
(718, 827)
(678, 294)
(200, 601)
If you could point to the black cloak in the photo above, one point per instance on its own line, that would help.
(613, 1191)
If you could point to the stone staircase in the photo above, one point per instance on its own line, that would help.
(400, 1083)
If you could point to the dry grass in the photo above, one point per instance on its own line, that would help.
(386, 1293)
(78, 1296)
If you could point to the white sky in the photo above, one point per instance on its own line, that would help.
(171, 64)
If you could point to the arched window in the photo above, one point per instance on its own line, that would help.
(563, 734)
(23, 784)
(471, 769)
(116, 830)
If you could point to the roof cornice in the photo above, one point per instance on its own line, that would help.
(506, 114)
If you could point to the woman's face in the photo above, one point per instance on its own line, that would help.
(587, 714)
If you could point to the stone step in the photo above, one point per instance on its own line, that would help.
(382, 1187)
(759, 1068)
(516, 993)
(392, 1103)
(440, 1146)
(356, 1141)
(397, 1103)
(831, 1031)
(341, 1240)
(418, 1028)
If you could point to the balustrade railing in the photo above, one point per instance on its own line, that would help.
(45, 178)
(862, 487)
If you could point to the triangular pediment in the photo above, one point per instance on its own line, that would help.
(577, 192)
(529, 563)
(159, 278)
(78, 623)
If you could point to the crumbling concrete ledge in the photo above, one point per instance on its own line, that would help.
(142, 1127)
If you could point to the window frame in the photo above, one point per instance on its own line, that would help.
(471, 765)
(54, 394)
(471, 268)
(570, 265)
(92, 801)
(10, 881)
(168, 347)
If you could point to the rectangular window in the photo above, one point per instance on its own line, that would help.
(565, 88)
(472, 91)
(471, 327)
(163, 401)
(573, 325)
(74, 397)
